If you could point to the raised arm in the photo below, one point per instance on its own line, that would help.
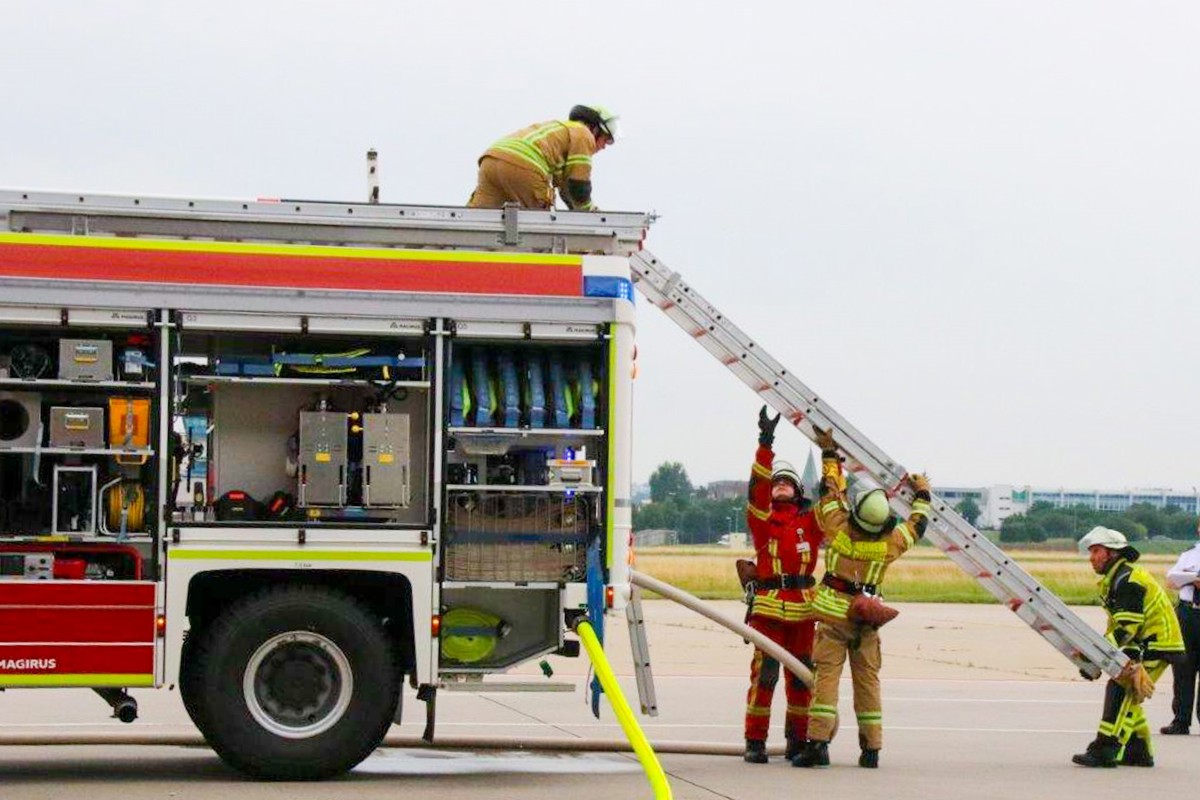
(910, 531)
(758, 507)
(832, 512)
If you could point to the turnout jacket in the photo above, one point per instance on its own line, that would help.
(560, 151)
(786, 543)
(852, 555)
(1141, 620)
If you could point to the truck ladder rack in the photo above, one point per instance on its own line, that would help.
(324, 223)
(1040, 608)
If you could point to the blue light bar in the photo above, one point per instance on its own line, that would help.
(608, 286)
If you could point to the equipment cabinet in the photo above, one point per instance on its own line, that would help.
(299, 426)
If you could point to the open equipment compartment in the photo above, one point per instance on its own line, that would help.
(526, 471)
(79, 449)
(525, 463)
(297, 426)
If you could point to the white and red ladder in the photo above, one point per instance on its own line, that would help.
(1040, 608)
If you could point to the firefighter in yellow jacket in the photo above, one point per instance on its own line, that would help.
(862, 538)
(1142, 623)
(526, 167)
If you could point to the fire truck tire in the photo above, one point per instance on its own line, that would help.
(190, 688)
(295, 683)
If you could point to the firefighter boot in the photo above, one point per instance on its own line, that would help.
(1101, 752)
(870, 756)
(756, 752)
(794, 747)
(815, 754)
(1137, 753)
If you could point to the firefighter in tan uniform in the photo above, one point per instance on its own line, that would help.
(862, 538)
(526, 167)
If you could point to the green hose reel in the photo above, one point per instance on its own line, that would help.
(470, 635)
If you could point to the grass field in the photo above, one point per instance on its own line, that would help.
(922, 575)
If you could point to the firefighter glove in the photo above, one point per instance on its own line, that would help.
(825, 440)
(919, 483)
(766, 427)
(1136, 681)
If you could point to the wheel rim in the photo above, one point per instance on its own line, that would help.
(298, 684)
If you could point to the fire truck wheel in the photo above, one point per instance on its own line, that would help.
(190, 688)
(296, 683)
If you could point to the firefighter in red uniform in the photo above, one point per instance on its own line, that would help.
(786, 542)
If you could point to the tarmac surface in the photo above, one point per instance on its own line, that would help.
(975, 705)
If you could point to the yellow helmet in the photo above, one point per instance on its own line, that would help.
(869, 507)
(597, 116)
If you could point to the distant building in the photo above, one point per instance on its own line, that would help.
(657, 537)
(1000, 501)
(724, 490)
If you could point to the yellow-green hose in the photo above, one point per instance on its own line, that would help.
(629, 724)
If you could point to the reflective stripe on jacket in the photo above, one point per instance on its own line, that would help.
(561, 151)
(852, 554)
(786, 542)
(1140, 615)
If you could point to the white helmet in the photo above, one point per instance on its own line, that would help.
(784, 471)
(1105, 537)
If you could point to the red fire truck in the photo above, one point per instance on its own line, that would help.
(283, 457)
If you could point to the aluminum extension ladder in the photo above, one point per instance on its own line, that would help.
(640, 649)
(967, 547)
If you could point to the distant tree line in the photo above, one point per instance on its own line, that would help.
(675, 504)
(1143, 521)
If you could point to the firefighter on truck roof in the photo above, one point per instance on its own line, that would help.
(786, 544)
(527, 166)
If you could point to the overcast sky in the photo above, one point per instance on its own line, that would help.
(974, 227)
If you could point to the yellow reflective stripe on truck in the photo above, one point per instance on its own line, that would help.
(610, 489)
(314, 251)
(51, 679)
(299, 555)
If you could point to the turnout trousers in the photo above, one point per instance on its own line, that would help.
(835, 642)
(501, 182)
(1186, 670)
(797, 639)
(1123, 718)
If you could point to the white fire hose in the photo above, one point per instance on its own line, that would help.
(789, 661)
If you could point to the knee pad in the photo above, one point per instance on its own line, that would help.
(769, 674)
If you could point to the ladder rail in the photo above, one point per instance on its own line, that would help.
(640, 650)
(323, 222)
(1002, 577)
